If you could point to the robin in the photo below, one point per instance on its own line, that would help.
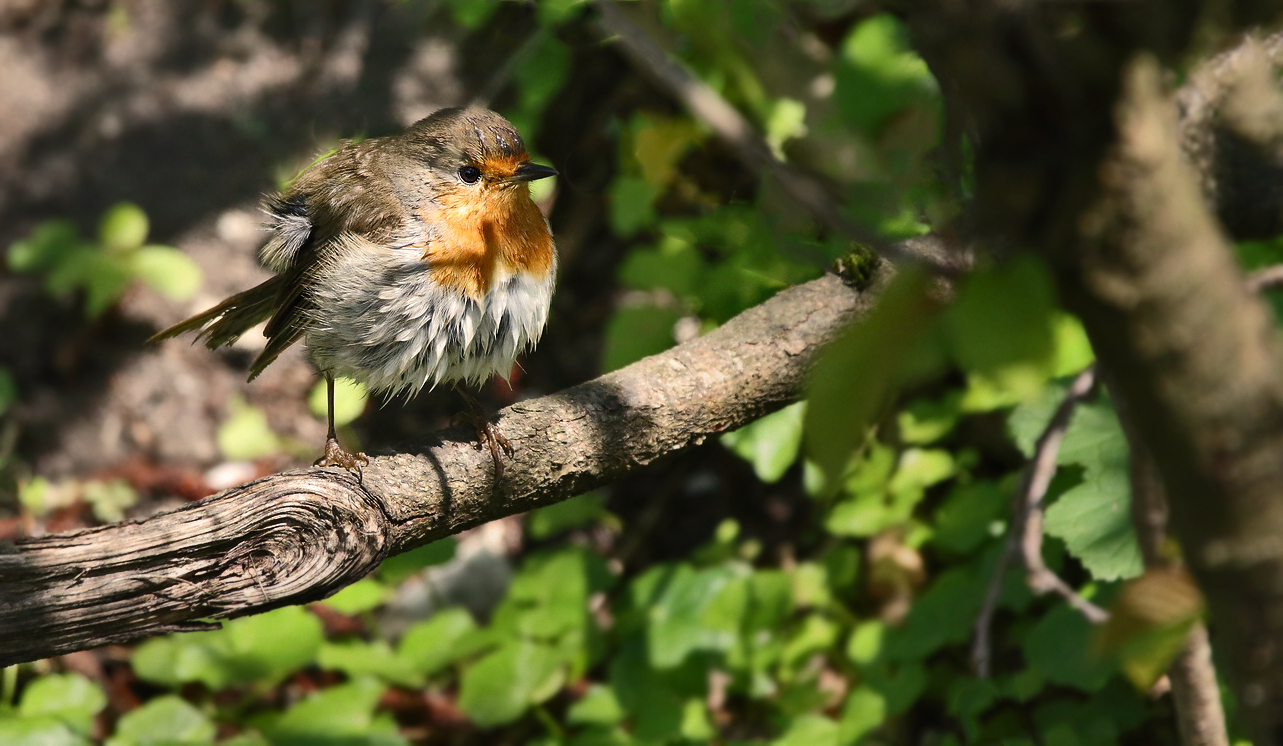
(403, 262)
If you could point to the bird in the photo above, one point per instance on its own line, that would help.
(403, 262)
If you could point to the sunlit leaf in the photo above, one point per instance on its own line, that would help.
(433, 644)
(498, 688)
(358, 658)
(864, 710)
(246, 435)
(169, 271)
(859, 372)
(598, 706)
(110, 499)
(364, 595)
(122, 228)
(69, 697)
(350, 398)
(266, 646)
(1017, 298)
(167, 719)
(393, 570)
(770, 443)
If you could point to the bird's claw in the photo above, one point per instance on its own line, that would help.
(335, 455)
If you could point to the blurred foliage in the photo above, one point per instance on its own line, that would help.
(102, 271)
(904, 461)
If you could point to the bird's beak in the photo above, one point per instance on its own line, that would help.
(530, 171)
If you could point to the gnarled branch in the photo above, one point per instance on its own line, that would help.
(300, 536)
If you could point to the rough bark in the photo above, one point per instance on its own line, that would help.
(1078, 158)
(300, 536)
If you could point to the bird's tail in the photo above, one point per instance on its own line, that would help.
(225, 323)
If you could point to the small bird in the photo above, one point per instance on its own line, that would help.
(403, 262)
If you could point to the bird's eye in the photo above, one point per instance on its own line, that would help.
(470, 174)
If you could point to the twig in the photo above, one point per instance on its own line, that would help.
(1024, 540)
(1200, 718)
(706, 105)
(1266, 278)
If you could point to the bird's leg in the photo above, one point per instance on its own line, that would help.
(488, 433)
(334, 453)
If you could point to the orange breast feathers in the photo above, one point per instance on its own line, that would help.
(485, 233)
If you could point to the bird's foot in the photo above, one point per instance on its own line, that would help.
(336, 456)
(490, 437)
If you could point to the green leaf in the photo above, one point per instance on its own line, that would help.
(110, 499)
(770, 443)
(810, 730)
(632, 204)
(971, 514)
(38, 731)
(350, 399)
(549, 595)
(1060, 647)
(676, 616)
(818, 634)
(566, 515)
(786, 121)
(364, 595)
(864, 711)
(169, 271)
(944, 614)
(1094, 520)
(635, 332)
(267, 646)
(878, 74)
(167, 720)
(71, 698)
(397, 568)
(1018, 298)
(357, 658)
(500, 687)
(675, 265)
(598, 706)
(341, 714)
(1094, 517)
(923, 421)
(246, 435)
(860, 371)
(105, 278)
(50, 245)
(865, 644)
(431, 645)
(122, 228)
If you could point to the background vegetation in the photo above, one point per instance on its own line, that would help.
(815, 578)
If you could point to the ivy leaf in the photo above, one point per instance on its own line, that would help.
(165, 720)
(69, 697)
(498, 688)
(434, 644)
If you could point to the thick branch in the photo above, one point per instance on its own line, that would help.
(300, 536)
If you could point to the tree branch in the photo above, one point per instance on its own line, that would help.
(1024, 539)
(300, 536)
(733, 129)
